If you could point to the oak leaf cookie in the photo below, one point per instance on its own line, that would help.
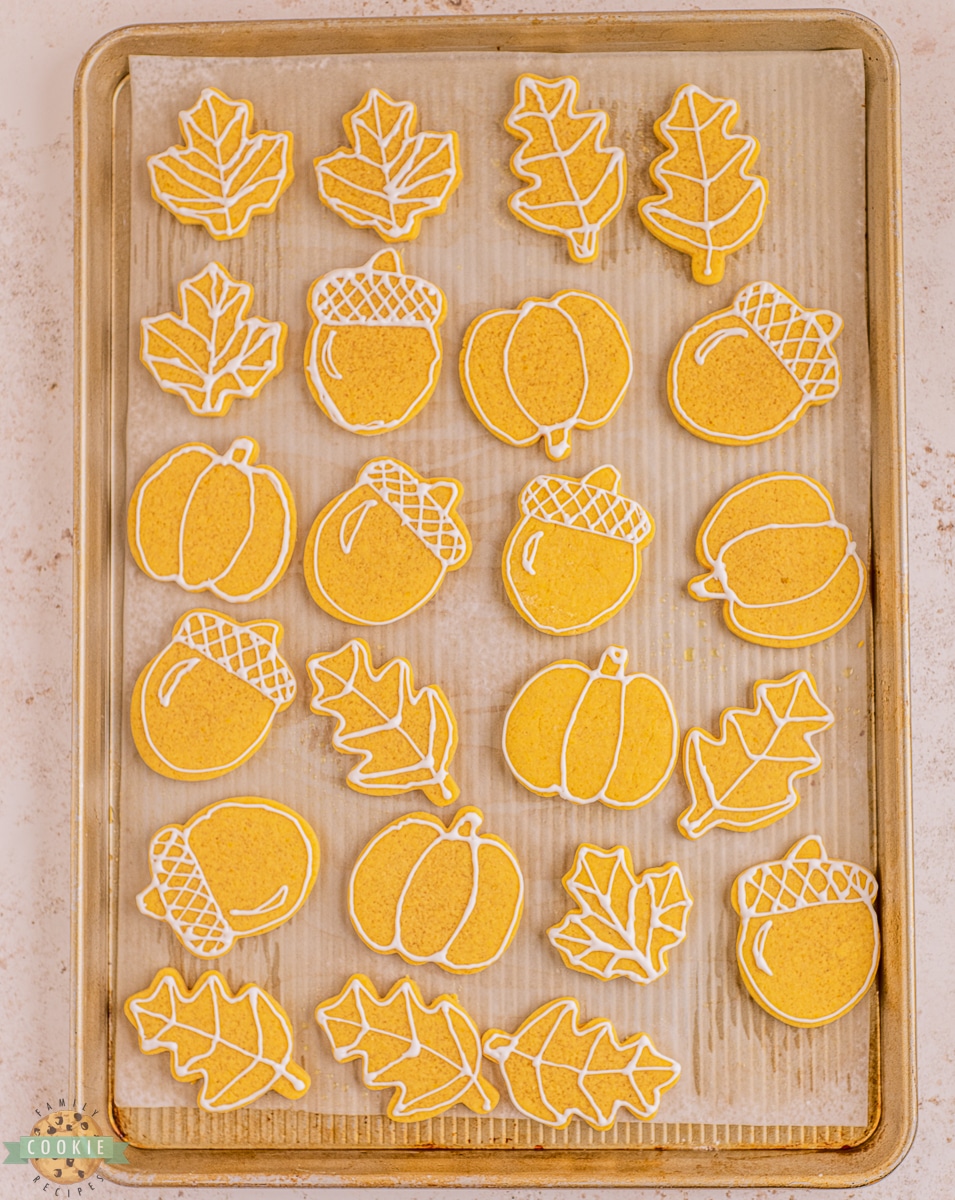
(235, 869)
(787, 571)
(712, 203)
(808, 941)
(745, 778)
(212, 352)
(213, 522)
(436, 893)
(589, 735)
(557, 1069)
(750, 371)
(238, 1044)
(429, 1053)
(576, 183)
(389, 178)
(381, 550)
(546, 368)
(374, 353)
(224, 175)
(573, 559)
(207, 701)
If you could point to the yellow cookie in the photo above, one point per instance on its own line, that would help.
(745, 779)
(382, 549)
(573, 559)
(213, 522)
(224, 175)
(212, 351)
(748, 372)
(388, 178)
(405, 738)
(557, 1069)
(207, 701)
(808, 942)
(235, 869)
(546, 368)
(712, 203)
(625, 924)
(436, 893)
(374, 353)
(589, 735)
(429, 1053)
(576, 184)
(239, 1045)
(785, 568)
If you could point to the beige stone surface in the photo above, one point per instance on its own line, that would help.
(42, 43)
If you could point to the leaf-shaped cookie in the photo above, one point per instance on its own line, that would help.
(212, 351)
(406, 738)
(745, 779)
(712, 203)
(625, 923)
(429, 1053)
(576, 183)
(224, 175)
(389, 178)
(239, 1045)
(557, 1069)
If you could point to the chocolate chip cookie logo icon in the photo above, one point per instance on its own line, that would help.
(65, 1147)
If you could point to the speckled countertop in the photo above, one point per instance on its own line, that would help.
(42, 44)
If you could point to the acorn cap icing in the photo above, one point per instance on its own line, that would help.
(378, 293)
(805, 877)
(247, 651)
(801, 338)
(424, 506)
(184, 894)
(589, 504)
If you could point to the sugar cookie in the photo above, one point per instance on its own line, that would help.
(808, 942)
(576, 185)
(573, 559)
(589, 735)
(380, 550)
(213, 522)
(374, 352)
(239, 1045)
(224, 175)
(388, 178)
(746, 778)
(207, 701)
(236, 868)
(785, 568)
(712, 203)
(546, 368)
(557, 1069)
(749, 372)
(436, 893)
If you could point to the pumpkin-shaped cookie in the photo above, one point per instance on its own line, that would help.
(374, 353)
(749, 372)
(382, 549)
(589, 735)
(546, 368)
(436, 893)
(573, 559)
(808, 942)
(235, 869)
(207, 701)
(785, 568)
(213, 522)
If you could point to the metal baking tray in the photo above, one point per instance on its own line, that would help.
(285, 1147)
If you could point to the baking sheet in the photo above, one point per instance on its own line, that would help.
(740, 1066)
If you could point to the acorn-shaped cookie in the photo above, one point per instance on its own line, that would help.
(748, 372)
(382, 549)
(808, 942)
(546, 368)
(787, 570)
(573, 559)
(235, 869)
(207, 701)
(374, 353)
